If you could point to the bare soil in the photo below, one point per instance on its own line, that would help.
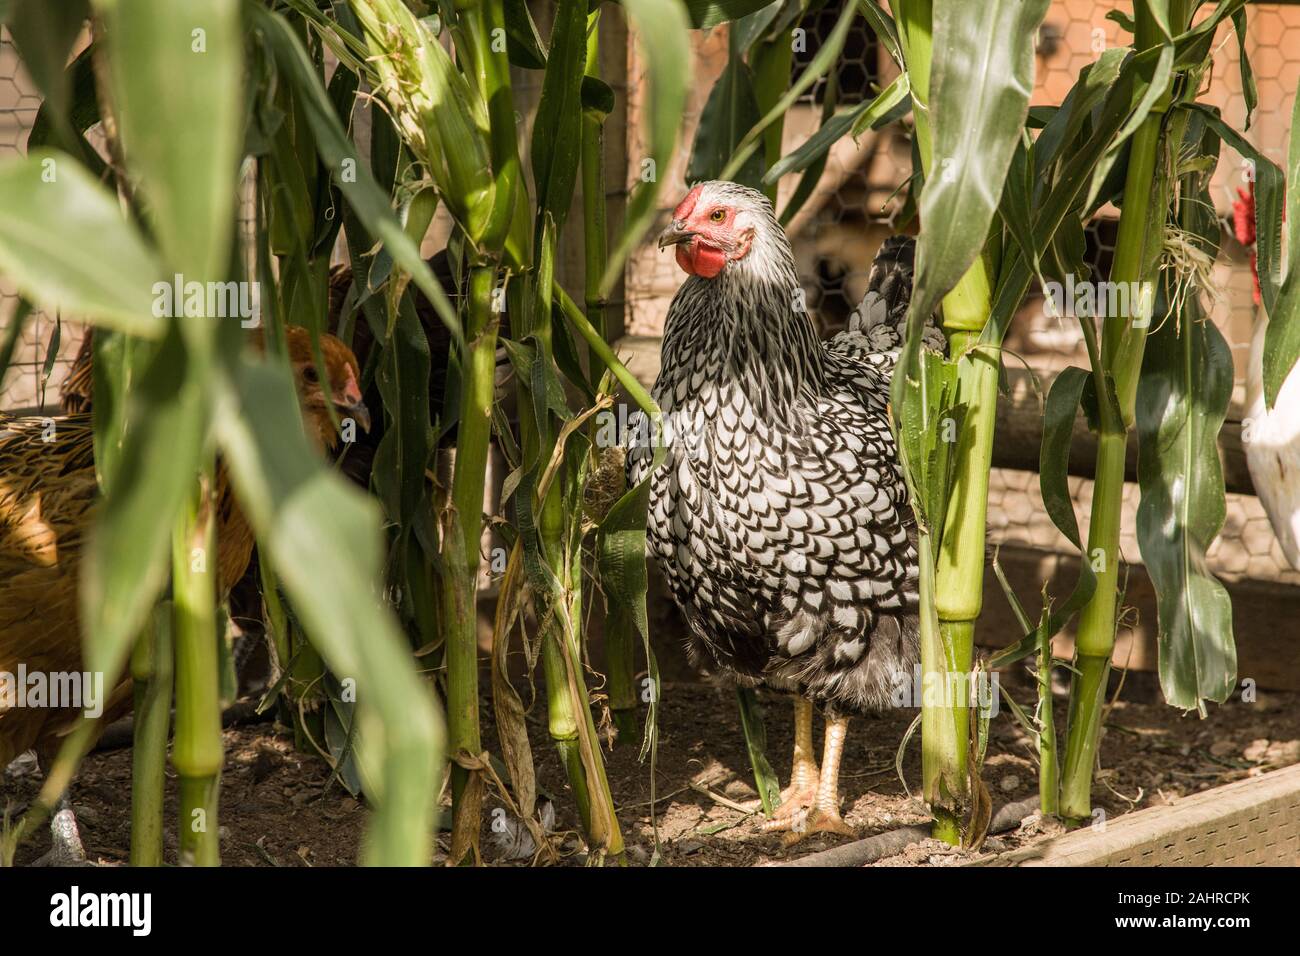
(281, 808)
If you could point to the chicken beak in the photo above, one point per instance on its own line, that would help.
(356, 411)
(675, 233)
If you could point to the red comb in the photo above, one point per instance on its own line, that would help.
(687, 205)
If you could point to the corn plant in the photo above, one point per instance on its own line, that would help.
(1003, 194)
(178, 390)
(455, 118)
(1119, 137)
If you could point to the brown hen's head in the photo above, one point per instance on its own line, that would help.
(341, 390)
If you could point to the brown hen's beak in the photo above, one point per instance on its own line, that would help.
(357, 411)
(675, 233)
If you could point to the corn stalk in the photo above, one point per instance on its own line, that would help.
(192, 381)
(963, 169)
(1141, 234)
(197, 752)
(151, 675)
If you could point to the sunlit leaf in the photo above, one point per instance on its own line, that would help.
(557, 131)
(1182, 399)
(182, 148)
(663, 33)
(126, 564)
(66, 245)
(323, 538)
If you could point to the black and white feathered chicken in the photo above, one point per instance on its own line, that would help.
(780, 515)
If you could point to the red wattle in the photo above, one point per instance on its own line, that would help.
(698, 259)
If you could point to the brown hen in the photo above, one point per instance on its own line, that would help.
(48, 498)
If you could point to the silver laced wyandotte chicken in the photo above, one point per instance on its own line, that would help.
(780, 515)
(48, 498)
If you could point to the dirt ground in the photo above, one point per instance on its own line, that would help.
(281, 808)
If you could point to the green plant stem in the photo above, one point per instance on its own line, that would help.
(604, 829)
(562, 725)
(1137, 246)
(959, 568)
(1096, 634)
(943, 760)
(151, 674)
(1049, 774)
(620, 637)
(771, 63)
(595, 235)
(620, 665)
(485, 21)
(462, 551)
(751, 721)
(197, 751)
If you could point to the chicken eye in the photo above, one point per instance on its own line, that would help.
(310, 375)
(718, 215)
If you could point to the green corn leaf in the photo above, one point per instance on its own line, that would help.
(624, 584)
(523, 42)
(710, 13)
(1282, 339)
(1182, 398)
(821, 62)
(1017, 201)
(1054, 458)
(807, 184)
(557, 132)
(979, 98)
(339, 155)
(731, 110)
(44, 34)
(1181, 402)
(116, 359)
(566, 355)
(1249, 91)
(1194, 46)
(1062, 130)
(1279, 279)
(182, 148)
(882, 24)
(1125, 20)
(323, 539)
(597, 96)
(755, 731)
(749, 29)
(893, 102)
(664, 36)
(82, 113)
(17, 324)
(66, 246)
(127, 560)
(1270, 190)
(620, 554)
(403, 378)
(1156, 87)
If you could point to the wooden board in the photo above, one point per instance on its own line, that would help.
(1253, 822)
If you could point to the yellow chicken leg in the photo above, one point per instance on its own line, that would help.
(798, 798)
(824, 817)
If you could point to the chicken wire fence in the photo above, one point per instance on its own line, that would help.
(47, 346)
(857, 204)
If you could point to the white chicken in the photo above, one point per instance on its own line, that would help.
(1270, 437)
